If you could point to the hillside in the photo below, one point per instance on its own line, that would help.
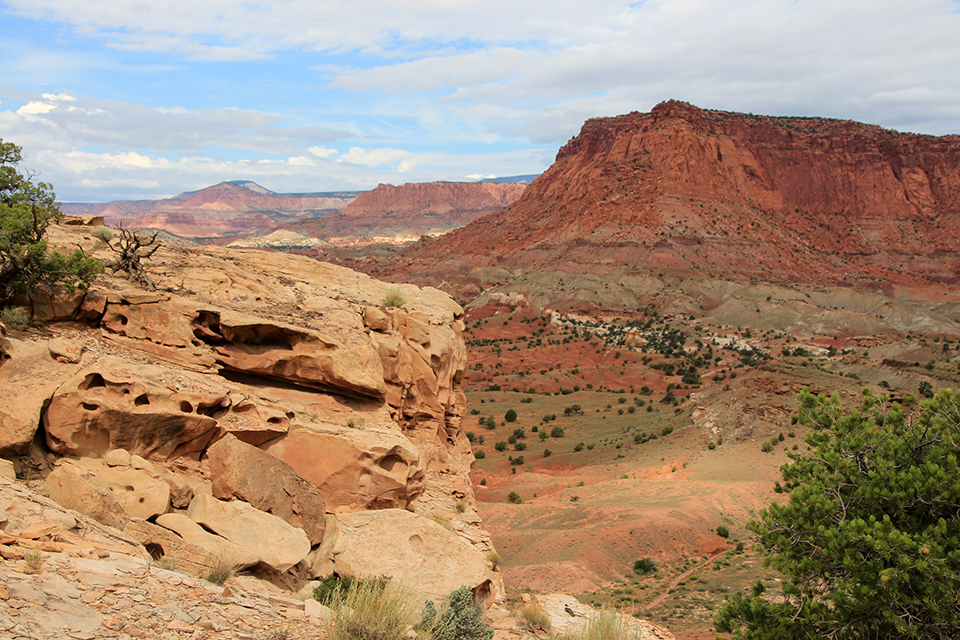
(684, 210)
(399, 214)
(226, 209)
(700, 192)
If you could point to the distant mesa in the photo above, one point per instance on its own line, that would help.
(696, 192)
(228, 209)
(405, 213)
(244, 210)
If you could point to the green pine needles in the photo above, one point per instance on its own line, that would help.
(869, 543)
(26, 210)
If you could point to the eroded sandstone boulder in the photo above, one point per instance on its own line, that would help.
(347, 363)
(239, 470)
(412, 549)
(31, 375)
(362, 467)
(276, 543)
(148, 410)
(71, 487)
(217, 546)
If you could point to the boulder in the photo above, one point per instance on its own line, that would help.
(71, 487)
(239, 470)
(139, 494)
(164, 543)
(216, 546)
(117, 458)
(373, 467)
(347, 363)
(276, 543)
(30, 375)
(412, 549)
(148, 410)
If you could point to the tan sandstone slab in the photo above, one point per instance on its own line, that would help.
(277, 544)
(415, 550)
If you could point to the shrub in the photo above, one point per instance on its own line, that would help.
(723, 532)
(15, 318)
(26, 210)
(461, 619)
(579, 447)
(666, 431)
(519, 446)
(500, 446)
(514, 497)
(510, 415)
(547, 453)
(644, 565)
(394, 297)
(557, 432)
(480, 455)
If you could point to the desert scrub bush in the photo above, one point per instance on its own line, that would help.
(723, 532)
(15, 318)
(644, 565)
(374, 609)
(480, 455)
(494, 559)
(461, 619)
(514, 497)
(394, 297)
(103, 234)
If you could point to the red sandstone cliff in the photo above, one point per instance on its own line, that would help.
(413, 209)
(731, 195)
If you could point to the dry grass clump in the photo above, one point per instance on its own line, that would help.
(373, 610)
(222, 569)
(535, 616)
(606, 625)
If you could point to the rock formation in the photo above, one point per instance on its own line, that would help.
(691, 193)
(251, 406)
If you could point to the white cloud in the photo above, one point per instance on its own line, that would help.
(35, 108)
(59, 97)
(322, 152)
(443, 89)
(374, 157)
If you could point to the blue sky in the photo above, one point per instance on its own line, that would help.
(116, 99)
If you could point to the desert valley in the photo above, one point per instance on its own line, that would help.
(569, 392)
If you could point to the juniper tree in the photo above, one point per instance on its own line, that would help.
(869, 542)
(26, 210)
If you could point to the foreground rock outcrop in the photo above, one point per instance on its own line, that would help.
(251, 409)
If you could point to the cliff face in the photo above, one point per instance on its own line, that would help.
(225, 209)
(408, 211)
(732, 195)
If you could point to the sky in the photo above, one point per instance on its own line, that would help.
(141, 99)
